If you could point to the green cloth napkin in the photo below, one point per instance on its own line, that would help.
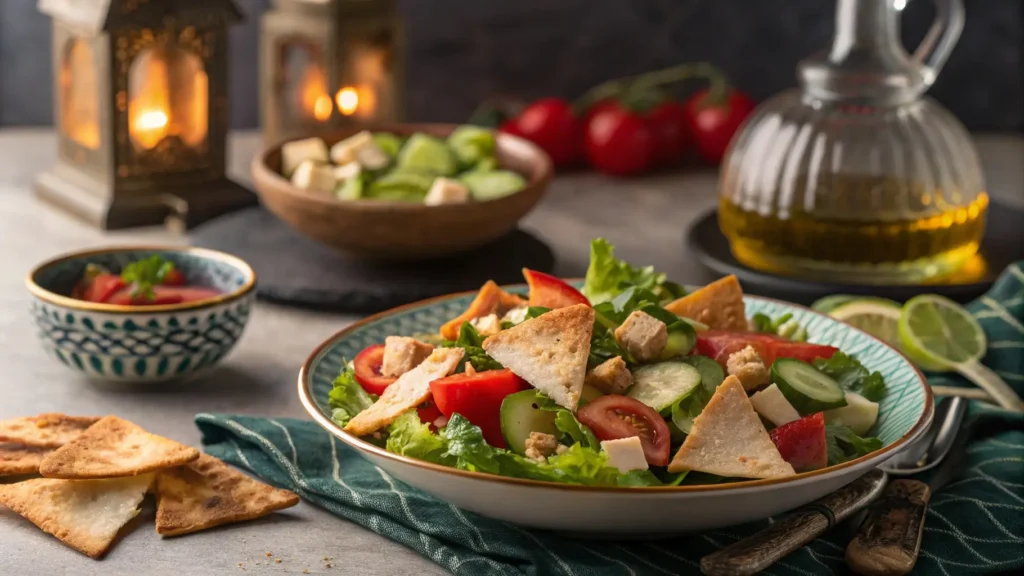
(975, 523)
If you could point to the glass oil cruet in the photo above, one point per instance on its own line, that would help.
(856, 176)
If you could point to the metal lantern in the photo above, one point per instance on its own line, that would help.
(329, 63)
(141, 111)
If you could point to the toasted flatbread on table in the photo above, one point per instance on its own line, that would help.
(84, 514)
(16, 460)
(114, 447)
(51, 430)
(728, 439)
(719, 305)
(549, 351)
(409, 391)
(208, 492)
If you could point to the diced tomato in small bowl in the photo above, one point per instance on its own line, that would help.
(141, 301)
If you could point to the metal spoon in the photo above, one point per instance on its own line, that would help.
(929, 450)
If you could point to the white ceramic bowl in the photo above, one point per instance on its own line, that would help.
(905, 414)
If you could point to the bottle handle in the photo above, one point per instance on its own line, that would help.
(938, 43)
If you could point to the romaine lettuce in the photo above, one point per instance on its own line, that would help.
(409, 436)
(849, 373)
(348, 398)
(843, 444)
(607, 276)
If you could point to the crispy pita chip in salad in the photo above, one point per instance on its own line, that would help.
(719, 305)
(409, 391)
(490, 300)
(728, 439)
(549, 351)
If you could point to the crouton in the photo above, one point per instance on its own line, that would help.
(610, 377)
(643, 335)
(402, 353)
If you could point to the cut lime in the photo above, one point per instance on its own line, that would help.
(876, 316)
(939, 334)
(829, 303)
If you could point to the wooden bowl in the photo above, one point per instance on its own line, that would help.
(380, 230)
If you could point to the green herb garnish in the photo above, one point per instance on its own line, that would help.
(146, 273)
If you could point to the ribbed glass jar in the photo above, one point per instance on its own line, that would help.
(856, 177)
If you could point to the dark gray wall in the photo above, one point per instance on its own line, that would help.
(461, 51)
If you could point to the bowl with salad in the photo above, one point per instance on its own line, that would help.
(624, 404)
(141, 314)
(403, 192)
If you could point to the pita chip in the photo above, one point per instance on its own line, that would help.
(114, 447)
(719, 305)
(207, 493)
(409, 391)
(18, 460)
(84, 514)
(549, 351)
(50, 430)
(728, 439)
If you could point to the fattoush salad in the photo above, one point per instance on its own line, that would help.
(630, 381)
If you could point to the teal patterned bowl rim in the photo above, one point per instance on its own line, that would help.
(205, 253)
(309, 401)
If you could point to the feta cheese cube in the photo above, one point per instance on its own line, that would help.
(446, 191)
(362, 149)
(771, 404)
(487, 325)
(295, 153)
(625, 454)
(314, 177)
(346, 171)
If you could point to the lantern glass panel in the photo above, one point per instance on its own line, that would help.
(79, 96)
(304, 82)
(168, 92)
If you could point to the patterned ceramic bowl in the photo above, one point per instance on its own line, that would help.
(904, 415)
(136, 343)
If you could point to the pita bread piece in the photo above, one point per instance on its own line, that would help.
(549, 351)
(728, 439)
(84, 514)
(208, 493)
(409, 391)
(17, 460)
(719, 305)
(114, 447)
(51, 430)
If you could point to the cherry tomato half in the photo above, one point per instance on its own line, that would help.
(550, 124)
(719, 345)
(368, 364)
(618, 141)
(613, 416)
(478, 398)
(713, 124)
(174, 278)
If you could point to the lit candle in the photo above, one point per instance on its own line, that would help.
(348, 100)
(149, 127)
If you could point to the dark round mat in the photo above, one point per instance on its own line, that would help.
(1002, 245)
(293, 269)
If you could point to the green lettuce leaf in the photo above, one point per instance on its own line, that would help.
(348, 398)
(689, 407)
(470, 340)
(409, 436)
(573, 431)
(843, 444)
(607, 276)
(852, 375)
(783, 326)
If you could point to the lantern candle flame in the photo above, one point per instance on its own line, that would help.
(322, 108)
(348, 101)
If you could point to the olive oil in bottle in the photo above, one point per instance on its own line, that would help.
(910, 236)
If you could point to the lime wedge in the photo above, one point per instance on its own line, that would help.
(939, 334)
(876, 316)
(829, 303)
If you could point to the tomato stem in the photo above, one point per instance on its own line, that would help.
(651, 80)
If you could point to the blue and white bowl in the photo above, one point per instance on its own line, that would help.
(141, 343)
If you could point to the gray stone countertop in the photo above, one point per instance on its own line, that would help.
(645, 218)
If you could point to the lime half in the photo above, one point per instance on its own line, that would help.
(939, 334)
(876, 316)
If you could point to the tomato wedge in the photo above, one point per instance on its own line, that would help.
(174, 278)
(478, 397)
(613, 416)
(368, 364)
(102, 288)
(164, 295)
(551, 292)
(719, 345)
(429, 413)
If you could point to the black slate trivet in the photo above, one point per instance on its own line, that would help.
(1002, 245)
(293, 269)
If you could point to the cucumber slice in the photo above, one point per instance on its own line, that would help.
(389, 143)
(520, 416)
(807, 389)
(424, 153)
(662, 385)
(401, 186)
(492, 185)
(472, 144)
